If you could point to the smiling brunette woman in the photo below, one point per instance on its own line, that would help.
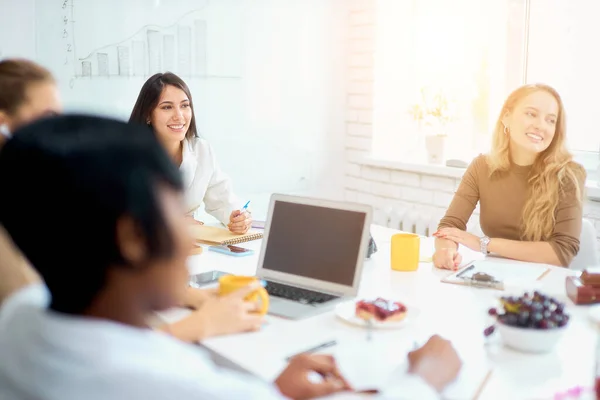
(165, 104)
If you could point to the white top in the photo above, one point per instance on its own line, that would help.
(60, 357)
(205, 182)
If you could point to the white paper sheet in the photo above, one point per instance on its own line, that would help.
(507, 273)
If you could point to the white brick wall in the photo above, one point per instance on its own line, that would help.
(438, 183)
(358, 129)
(360, 74)
(360, 102)
(406, 178)
(376, 174)
(591, 211)
(386, 187)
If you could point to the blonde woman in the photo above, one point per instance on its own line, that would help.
(529, 188)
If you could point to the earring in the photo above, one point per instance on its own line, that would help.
(506, 130)
(4, 131)
(148, 122)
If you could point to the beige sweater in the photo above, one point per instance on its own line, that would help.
(502, 199)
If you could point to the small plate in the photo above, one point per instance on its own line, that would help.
(347, 312)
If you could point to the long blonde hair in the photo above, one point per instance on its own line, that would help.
(552, 173)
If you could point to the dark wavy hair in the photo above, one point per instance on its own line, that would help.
(150, 94)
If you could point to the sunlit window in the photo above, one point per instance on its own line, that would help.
(443, 69)
(563, 52)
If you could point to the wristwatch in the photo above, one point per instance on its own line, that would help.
(483, 244)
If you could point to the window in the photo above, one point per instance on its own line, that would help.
(563, 52)
(445, 67)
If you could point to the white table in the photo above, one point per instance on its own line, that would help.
(456, 312)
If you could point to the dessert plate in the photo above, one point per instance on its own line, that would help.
(347, 312)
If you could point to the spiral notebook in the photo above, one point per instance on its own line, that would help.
(222, 236)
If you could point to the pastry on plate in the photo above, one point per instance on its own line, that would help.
(380, 310)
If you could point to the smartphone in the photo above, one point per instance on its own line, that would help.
(206, 278)
(231, 250)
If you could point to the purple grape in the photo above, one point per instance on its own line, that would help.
(523, 318)
(537, 316)
(531, 310)
(537, 307)
(547, 304)
(511, 319)
(563, 322)
(489, 330)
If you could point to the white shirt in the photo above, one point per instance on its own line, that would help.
(50, 356)
(205, 182)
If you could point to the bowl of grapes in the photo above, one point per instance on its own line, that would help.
(531, 323)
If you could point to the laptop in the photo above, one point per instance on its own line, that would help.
(312, 254)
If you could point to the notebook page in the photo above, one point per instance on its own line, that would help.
(506, 272)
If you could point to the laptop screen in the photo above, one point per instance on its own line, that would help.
(314, 242)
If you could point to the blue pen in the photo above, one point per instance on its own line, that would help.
(245, 207)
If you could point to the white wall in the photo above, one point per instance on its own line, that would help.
(278, 128)
(294, 65)
(17, 34)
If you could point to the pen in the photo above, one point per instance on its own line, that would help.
(245, 207)
(314, 349)
(470, 267)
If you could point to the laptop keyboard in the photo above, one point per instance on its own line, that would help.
(303, 296)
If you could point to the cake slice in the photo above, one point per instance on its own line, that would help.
(381, 310)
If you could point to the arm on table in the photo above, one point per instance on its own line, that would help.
(460, 210)
(561, 247)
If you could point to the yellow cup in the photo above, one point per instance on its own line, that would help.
(231, 283)
(405, 252)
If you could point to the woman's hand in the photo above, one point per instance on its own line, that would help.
(459, 237)
(447, 258)
(219, 315)
(295, 381)
(195, 298)
(239, 222)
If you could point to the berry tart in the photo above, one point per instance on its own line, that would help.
(380, 310)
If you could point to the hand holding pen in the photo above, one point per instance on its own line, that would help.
(240, 220)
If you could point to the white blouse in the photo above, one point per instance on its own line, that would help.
(205, 182)
(65, 357)
(52, 356)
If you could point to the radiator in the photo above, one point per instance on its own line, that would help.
(412, 220)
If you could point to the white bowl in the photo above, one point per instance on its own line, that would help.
(530, 340)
